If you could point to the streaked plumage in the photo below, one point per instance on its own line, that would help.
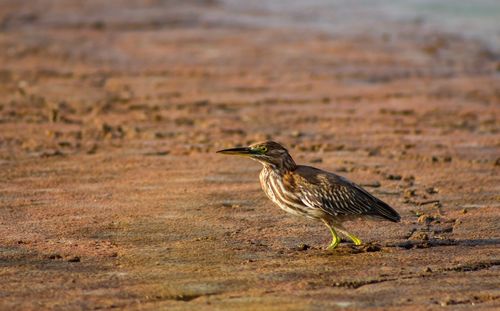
(311, 192)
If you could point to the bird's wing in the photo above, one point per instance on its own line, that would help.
(334, 194)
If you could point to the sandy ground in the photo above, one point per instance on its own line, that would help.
(112, 196)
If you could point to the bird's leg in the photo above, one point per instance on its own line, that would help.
(335, 237)
(354, 238)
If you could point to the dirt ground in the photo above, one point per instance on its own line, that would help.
(112, 196)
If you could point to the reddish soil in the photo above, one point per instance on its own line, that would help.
(112, 196)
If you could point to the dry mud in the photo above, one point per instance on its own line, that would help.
(111, 195)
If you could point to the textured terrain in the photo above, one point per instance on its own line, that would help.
(112, 196)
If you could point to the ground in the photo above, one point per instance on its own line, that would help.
(112, 195)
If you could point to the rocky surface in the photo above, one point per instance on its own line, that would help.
(111, 195)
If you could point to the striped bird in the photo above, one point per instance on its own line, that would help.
(313, 193)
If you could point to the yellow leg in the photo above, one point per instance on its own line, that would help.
(355, 239)
(335, 237)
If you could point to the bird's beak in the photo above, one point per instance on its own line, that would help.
(237, 151)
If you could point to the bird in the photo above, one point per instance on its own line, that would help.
(313, 193)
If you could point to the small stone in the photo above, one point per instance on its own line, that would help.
(447, 302)
(420, 236)
(432, 190)
(125, 94)
(22, 87)
(51, 153)
(409, 178)
(373, 152)
(464, 211)
(374, 184)
(425, 219)
(54, 115)
(372, 248)
(92, 149)
(316, 160)
(394, 177)
(444, 230)
(408, 193)
(303, 247)
(406, 245)
(73, 259)
(341, 169)
(296, 134)
(428, 270)
(55, 256)
(330, 147)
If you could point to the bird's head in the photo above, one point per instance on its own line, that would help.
(269, 153)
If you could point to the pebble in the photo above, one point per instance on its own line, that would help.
(316, 160)
(425, 219)
(420, 236)
(393, 177)
(73, 259)
(432, 190)
(374, 184)
(372, 248)
(296, 134)
(303, 247)
(409, 193)
(373, 152)
(409, 178)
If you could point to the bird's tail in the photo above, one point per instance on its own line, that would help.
(383, 210)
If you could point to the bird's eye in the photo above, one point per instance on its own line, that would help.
(261, 149)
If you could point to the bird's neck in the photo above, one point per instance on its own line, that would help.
(287, 164)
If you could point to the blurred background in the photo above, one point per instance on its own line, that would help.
(153, 70)
(111, 195)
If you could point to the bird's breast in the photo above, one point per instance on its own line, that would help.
(265, 183)
(272, 184)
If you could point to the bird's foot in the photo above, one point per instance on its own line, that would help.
(355, 240)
